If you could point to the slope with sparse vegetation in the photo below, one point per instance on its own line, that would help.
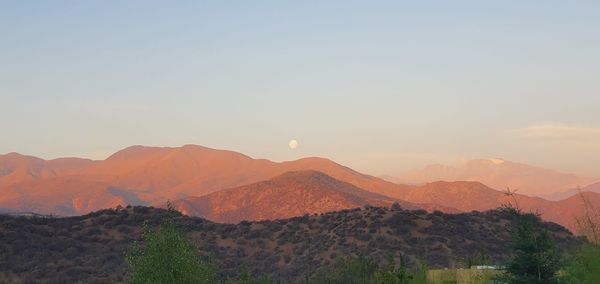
(91, 247)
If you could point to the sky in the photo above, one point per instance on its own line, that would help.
(380, 86)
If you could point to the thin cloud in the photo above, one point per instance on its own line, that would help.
(559, 131)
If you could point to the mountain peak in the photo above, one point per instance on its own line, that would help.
(456, 183)
(133, 151)
(486, 162)
(497, 161)
(18, 156)
(303, 174)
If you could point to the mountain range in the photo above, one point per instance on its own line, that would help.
(141, 175)
(595, 187)
(227, 186)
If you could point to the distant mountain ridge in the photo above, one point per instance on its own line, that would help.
(15, 167)
(148, 175)
(499, 174)
(595, 187)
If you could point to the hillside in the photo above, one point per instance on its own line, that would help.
(288, 195)
(468, 196)
(90, 247)
(308, 192)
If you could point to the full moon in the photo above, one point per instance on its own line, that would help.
(293, 144)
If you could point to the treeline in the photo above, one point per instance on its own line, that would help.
(164, 255)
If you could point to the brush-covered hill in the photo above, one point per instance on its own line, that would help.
(308, 192)
(467, 196)
(90, 248)
(288, 195)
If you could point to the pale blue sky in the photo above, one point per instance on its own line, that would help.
(381, 86)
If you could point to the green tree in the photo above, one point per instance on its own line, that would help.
(351, 270)
(392, 274)
(165, 256)
(364, 270)
(535, 258)
(584, 266)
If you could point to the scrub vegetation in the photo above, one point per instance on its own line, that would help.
(368, 245)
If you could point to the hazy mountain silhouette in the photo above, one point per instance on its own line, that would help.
(499, 174)
(595, 187)
(16, 168)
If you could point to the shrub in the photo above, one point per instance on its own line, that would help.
(245, 277)
(362, 236)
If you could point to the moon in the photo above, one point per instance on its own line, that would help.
(293, 144)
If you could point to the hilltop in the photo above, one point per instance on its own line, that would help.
(288, 195)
